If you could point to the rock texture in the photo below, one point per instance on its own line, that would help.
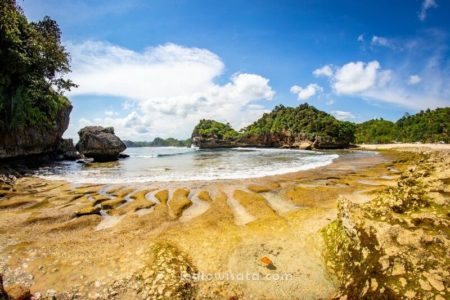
(169, 274)
(66, 150)
(100, 143)
(274, 140)
(396, 246)
(34, 140)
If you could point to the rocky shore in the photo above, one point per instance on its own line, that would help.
(151, 241)
(396, 245)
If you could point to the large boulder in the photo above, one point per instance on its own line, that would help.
(100, 143)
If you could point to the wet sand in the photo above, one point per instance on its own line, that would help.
(99, 241)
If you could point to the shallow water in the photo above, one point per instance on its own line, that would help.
(280, 205)
(108, 221)
(149, 164)
(241, 215)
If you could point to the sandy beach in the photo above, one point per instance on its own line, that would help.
(406, 146)
(62, 246)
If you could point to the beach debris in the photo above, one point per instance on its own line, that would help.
(267, 262)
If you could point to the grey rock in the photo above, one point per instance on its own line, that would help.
(100, 143)
(27, 141)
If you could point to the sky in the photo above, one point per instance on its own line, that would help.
(155, 68)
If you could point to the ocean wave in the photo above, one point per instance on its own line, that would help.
(275, 150)
(220, 171)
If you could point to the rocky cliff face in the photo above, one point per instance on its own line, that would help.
(275, 140)
(30, 141)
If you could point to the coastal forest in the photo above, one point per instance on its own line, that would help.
(33, 62)
(159, 142)
(430, 126)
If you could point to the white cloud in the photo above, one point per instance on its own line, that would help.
(426, 5)
(330, 102)
(111, 113)
(381, 41)
(361, 38)
(326, 71)
(414, 79)
(342, 115)
(355, 77)
(168, 88)
(306, 92)
(369, 81)
(398, 84)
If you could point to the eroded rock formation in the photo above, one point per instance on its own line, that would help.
(28, 141)
(100, 143)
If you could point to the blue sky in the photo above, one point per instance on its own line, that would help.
(154, 68)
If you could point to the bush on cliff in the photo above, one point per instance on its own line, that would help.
(32, 63)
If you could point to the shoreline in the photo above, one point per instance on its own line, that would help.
(342, 155)
(214, 225)
(406, 147)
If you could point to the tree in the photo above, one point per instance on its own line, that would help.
(32, 65)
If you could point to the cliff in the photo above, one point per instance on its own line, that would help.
(34, 140)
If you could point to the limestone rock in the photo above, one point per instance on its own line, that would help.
(100, 143)
(31, 141)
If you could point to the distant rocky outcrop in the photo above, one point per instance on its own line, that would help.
(100, 143)
(303, 127)
(34, 140)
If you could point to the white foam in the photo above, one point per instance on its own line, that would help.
(198, 165)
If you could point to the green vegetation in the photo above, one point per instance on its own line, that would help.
(210, 128)
(160, 142)
(376, 131)
(428, 126)
(32, 62)
(303, 120)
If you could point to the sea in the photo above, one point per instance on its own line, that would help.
(165, 164)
